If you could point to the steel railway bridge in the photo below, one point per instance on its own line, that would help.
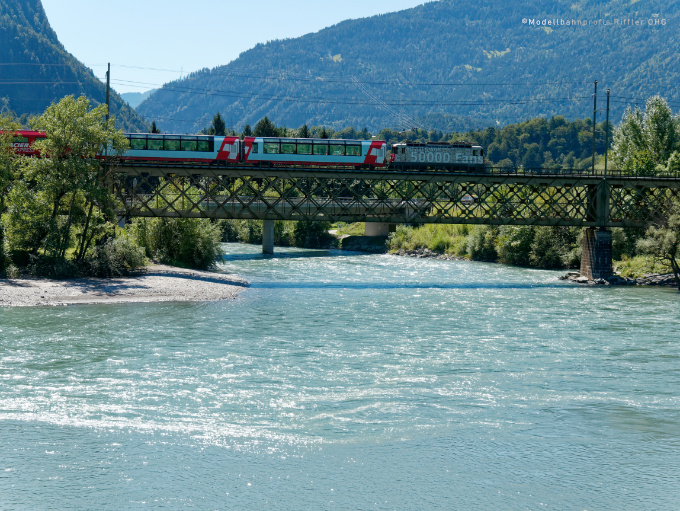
(593, 200)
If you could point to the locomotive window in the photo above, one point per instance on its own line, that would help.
(320, 149)
(138, 143)
(287, 148)
(189, 145)
(256, 148)
(304, 149)
(172, 144)
(337, 150)
(20, 140)
(353, 150)
(203, 145)
(155, 143)
(271, 148)
(474, 152)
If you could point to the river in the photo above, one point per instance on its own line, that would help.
(348, 381)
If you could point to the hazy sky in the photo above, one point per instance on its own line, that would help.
(167, 37)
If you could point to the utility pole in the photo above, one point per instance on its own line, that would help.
(108, 92)
(606, 137)
(594, 120)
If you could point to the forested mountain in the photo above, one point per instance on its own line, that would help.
(36, 70)
(447, 65)
(134, 99)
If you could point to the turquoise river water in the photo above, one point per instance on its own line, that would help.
(348, 381)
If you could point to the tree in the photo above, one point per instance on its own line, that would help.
(303, 132)
(645, 141)
(7, 157)
(662, 241)
(247, 131)
(265, 128)
(218, 126)
(7, 169)
(154, 128)
(64, 195)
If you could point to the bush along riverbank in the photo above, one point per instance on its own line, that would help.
(552, 248)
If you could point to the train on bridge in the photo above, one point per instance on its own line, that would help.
(159, 149)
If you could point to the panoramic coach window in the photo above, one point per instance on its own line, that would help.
(172, 144)
(353, 150)
(155, 143)
(287, 148)
(337, 150)
(138, 143)
(271, 148)
(189, 145)
(320, 149)
(304, 149)
(203, 145)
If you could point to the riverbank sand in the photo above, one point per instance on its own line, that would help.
(156, 283)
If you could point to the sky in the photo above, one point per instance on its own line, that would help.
(151, 42)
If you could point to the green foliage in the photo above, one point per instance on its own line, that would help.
(313, 235)
(56, 208)
(541, 247)
(65, 193)
(116, 257)
(266, 128)
(61, 200)
(443, 239)
(513, 245)
(644, 143)
(243, 231)
(8, 164)
(555, 247)
(286, 234)
(662, 242)
(304, 132)
(218, 126)
(187, 242)
(481, 243)
(353, 229)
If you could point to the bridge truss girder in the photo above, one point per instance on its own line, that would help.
(391, 197)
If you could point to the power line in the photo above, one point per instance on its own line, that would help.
(323, 79)
(233, 93)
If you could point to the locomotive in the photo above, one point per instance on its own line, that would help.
(158, 149)
(461, 156)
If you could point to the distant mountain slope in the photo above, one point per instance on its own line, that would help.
(448, 65)
(36, 70)
(134, 99)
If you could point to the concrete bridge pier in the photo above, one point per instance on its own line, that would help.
(596, 253)
(268, 236)
(377, 229)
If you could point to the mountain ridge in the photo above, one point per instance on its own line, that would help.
(437, 66)
(37, 70)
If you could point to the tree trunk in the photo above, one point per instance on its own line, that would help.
(676, 271)
(81, 250)
(67, 229)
